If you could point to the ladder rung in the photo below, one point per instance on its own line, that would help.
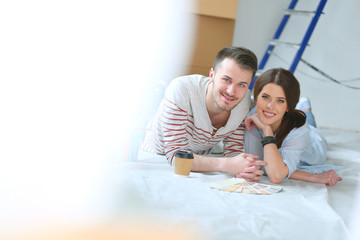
(275, 42)
(259, 72)
(300, 46)
(299, 12)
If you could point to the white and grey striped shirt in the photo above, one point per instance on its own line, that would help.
(183, 123)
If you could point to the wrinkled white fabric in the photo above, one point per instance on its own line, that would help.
(301, 211)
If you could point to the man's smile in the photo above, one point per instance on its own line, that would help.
(228, 98)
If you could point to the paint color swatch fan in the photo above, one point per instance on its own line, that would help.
(240, 185)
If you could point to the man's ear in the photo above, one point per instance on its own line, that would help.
(211, 74)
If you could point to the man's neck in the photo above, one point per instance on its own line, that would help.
(220, 119)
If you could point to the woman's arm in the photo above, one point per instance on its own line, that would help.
(329, 178)
(276, 169)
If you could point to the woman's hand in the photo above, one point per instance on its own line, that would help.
(254, 121)
(330, 178)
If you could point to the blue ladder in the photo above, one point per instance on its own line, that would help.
(302, 45)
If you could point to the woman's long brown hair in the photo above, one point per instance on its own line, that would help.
(293, 118)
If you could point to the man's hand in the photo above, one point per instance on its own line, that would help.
(253, 173)
(245, 166)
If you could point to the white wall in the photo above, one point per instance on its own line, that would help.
(73, 83)
(334, 49)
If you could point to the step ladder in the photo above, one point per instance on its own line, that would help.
(301, 46)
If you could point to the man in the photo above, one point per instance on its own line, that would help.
(197, 112)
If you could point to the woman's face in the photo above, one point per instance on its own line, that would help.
(271, 105)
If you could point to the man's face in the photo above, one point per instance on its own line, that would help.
(230, 84)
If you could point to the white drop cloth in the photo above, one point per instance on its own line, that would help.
(301, 211)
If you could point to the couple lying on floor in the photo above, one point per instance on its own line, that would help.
(277, 136)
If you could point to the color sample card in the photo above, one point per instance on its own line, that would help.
(242, 186)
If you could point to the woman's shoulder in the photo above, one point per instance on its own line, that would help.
(300, 131)
(299, 136)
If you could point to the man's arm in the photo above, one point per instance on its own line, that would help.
(237, 162)
(242, 165)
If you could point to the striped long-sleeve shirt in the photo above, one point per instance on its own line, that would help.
(183, 123)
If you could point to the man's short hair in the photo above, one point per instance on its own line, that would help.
(242, 56)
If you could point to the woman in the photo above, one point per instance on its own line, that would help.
(279, 134)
